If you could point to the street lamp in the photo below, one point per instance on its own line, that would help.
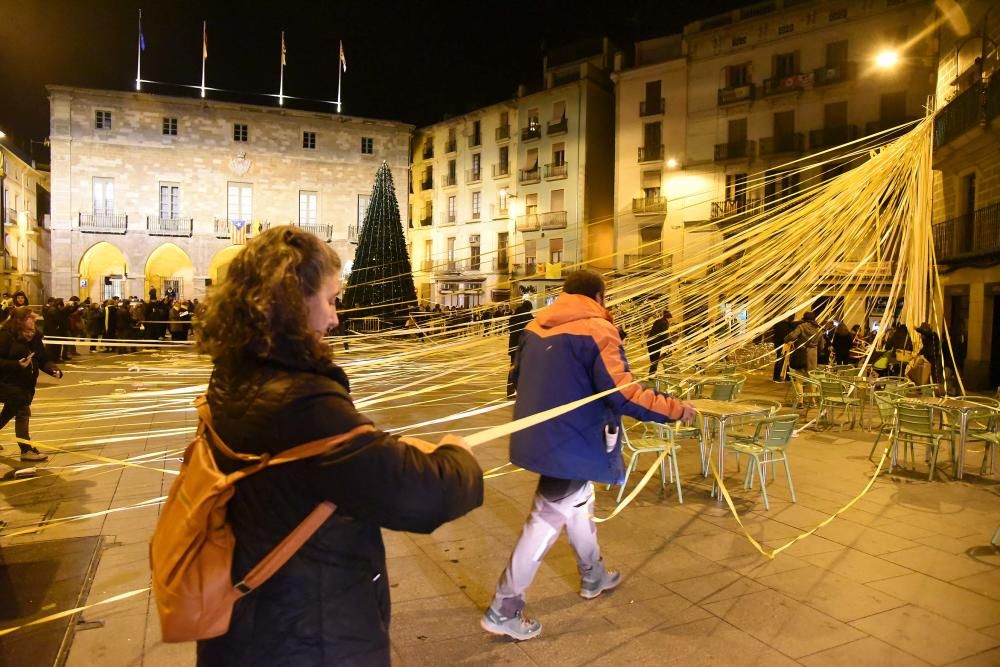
(671, 163)
(887, 59)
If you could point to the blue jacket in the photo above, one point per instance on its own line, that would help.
(572, 350)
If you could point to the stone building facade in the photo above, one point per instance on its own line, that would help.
(24, 211)
(151, 191)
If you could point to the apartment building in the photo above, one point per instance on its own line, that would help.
(24, 211)
(462, 176)
(498, 220)
(967, 187)
(153, 191)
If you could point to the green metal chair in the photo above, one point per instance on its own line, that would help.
(833, 394)
(886, 403)
(737, 427)
(915, 426)
(983, 426)
(653, 439)
(768, 445)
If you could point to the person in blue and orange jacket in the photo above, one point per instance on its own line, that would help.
(570, 351)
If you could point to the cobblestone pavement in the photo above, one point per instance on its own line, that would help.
(905, 577)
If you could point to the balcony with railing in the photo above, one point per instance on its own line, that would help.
(560, 126)
(427, 265)
(9, 262)
(449, 219)
(428, 151)
(10, 216)
(552, 220)
(427, 219)
(828, 137)
(739, 206)
(501, 169)
(498, 264)
(253, 227)
(160, 226)
(651, 107)
(502, 133)
(352, 233)
(554, 170)
(835, 73)
(324, 232)
(528, 223)
(451, 146)
(473, 175)
(475, 141)
(32, 265)
(649, 262)
(102, 222)
(965, 111)
(650, 153)
(968, 236)
(532, 132)
(656, 205)
(736, 95)
(499, 213)
(529, 176)
(734, 150)
(781, 144)
(427, 183)
(781, 85)
(449, 180)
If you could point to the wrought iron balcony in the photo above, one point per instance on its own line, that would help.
(649, 205)
(9, 262)
(157, 226)
(651, 107)
(528, 223)
(448, 180)
(102, 222)
(451, 146)
(737, 206)
(427, 220)
(736, 95)
(253, 227)
(650, 262)
(828, 137)
(533, 131)
(968, 236)
(735, 150)
(475, 141)
(528, 176)
(554, 170)
(835, 73)
(499, 213)
(501, 169)
(960, 115)
(450, 219)
(779, 85)
(473, 175)
(558, 126)
(650, 153)
(324, 232)
(10, 216)
(352, 233)
(427, 265)
(428, 151)
(499, 264)
(502, 133)
(781, 144)
(427, 183)
(552, 220)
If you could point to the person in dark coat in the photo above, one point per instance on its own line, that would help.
(843, 339)
(275, 386)
(778, 332)
(517, 322)
(22, 355)
(659, 337)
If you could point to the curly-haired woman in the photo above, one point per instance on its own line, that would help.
(274, 387)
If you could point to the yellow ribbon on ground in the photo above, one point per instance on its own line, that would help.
(75, 610)
(635, 492)
(774, 552)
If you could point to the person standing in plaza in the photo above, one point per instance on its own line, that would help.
(659, 338)
(22, 355)
(275, 386)
(518, 321)
(572, 350)
(806, 337)
(778, 332)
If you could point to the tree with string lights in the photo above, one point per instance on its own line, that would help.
(381, 280)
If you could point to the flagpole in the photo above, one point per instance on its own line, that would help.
(204, 53)
(138, 66)
(340, 71)
(281, 80)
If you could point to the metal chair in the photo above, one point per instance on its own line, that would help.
(915, 425)
(886, 402)
(833, 394)
(737, 425)
(769, 444)
(984, 426)
(805, 391)
(653, 440)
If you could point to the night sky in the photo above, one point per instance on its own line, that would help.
(414, 61)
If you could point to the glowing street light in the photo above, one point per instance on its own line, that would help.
(671, 163)
(887, 59)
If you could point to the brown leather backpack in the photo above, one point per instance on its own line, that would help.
(191, 552)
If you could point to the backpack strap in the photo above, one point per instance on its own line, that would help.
(280, 555)
(205, 414)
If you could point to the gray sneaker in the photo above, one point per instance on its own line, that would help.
(591, 589)
(516, 626)
(34, 455)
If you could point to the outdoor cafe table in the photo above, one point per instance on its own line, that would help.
(961, 406)
(722, 412)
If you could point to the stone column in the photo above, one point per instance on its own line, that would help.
(976, 372)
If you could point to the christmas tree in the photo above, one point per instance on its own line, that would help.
(381, 280)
